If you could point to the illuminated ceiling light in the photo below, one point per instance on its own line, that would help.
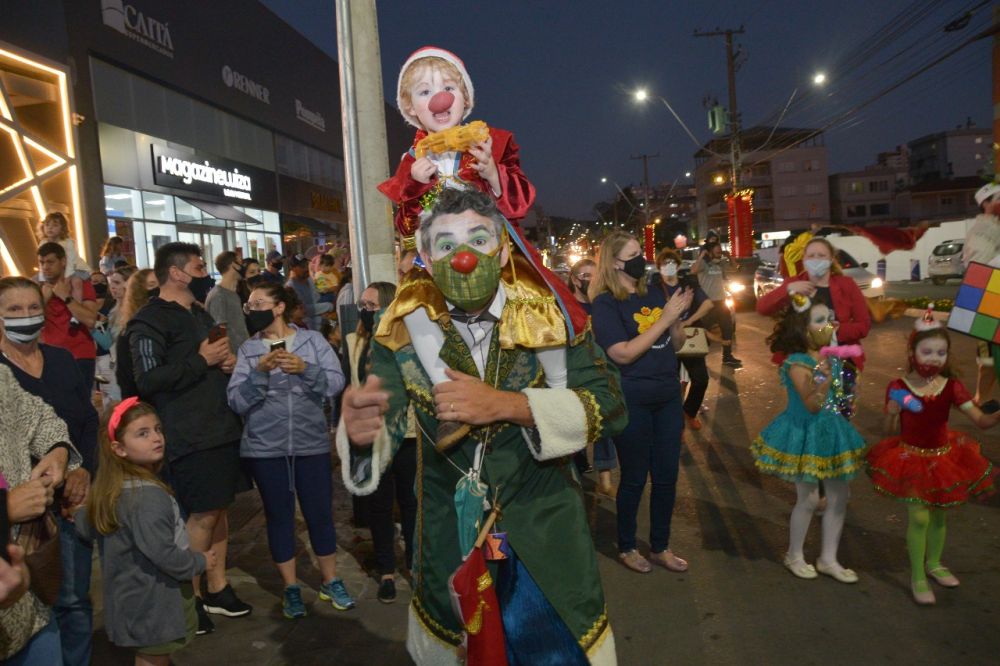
(10, 268)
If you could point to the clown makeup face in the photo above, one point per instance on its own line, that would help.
(452, 230)
(930, 355)
(435, 98)
(822, 326)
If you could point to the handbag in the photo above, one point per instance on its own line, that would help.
(102, 337)
(696, 343)
(40, 539)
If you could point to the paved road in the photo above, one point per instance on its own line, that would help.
(737, 605)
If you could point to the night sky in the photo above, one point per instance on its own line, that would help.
(557, 74)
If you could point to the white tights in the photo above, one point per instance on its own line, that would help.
(837, 493)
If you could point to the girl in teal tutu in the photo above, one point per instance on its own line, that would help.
(810, 441)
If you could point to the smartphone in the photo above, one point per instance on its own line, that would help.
(217, 332)
(277, 344)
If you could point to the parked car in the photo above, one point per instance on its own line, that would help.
(946, 261)
(766, 278)
(870, 284)
(740, 280)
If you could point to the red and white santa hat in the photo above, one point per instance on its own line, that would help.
(444, 54)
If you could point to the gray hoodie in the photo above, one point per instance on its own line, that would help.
(143, 563)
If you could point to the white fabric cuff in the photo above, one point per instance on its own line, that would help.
(362, 474)
(560, 423)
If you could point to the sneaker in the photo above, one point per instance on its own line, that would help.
(292, 607)
(225, 602)
(387, 591)
(336, 594)
(205, 624)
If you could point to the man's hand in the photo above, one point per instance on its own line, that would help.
(75, 491)
(469, 400)
(29, 500)
(46, 291)
(216, 352)
(60, 288)
(423, 170)
(229, 364)
(52, 466)
(14, 577)
(363, 409)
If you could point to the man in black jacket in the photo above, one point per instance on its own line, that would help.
(184, 375)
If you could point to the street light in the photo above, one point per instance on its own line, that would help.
(641, 95)
(819, 79)
(687, 174)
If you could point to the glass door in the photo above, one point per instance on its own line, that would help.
(211, 242)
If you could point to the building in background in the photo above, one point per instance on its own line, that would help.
(962, 152)
(870, 195)
(214, 123)
(785, 167)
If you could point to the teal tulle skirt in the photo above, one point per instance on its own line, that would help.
(809, 447)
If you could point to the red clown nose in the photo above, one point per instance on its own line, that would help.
(442, 101)
(464, 262)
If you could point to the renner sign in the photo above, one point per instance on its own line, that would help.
(246, 85)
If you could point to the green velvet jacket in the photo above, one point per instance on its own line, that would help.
(528, 469)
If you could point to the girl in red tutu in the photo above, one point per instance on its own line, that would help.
(928, 466)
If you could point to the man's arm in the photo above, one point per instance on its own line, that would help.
(149, 362)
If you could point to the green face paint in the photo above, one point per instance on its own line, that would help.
(472, 290)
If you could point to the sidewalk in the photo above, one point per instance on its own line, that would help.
(372, 632)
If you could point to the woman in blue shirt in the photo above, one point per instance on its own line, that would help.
(640, 331)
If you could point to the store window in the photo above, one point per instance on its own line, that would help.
(149, 220)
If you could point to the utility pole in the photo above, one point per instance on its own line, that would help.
(734, 116)
(645, 176)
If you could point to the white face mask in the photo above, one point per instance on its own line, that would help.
(817, 267)
(668, 269)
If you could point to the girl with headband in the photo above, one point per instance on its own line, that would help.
(146, 560)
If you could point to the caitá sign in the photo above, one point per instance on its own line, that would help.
(232, 181)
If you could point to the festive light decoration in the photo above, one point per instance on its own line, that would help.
(740, 208)
(649, 232)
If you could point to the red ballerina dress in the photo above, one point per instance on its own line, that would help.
(927, 463)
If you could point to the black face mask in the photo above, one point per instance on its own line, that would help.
(200, 286)
(367, 319)
(584, 286)
(241, 270)
(635, 267)
(278, 265)
(258, 320)
(101, 289)
(154, 292)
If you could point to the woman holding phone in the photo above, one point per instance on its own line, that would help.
(282, 377)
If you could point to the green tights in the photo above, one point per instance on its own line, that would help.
(924, 540)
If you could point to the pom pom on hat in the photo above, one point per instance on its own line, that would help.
(927, 322)
(800, 302)
(444, 54)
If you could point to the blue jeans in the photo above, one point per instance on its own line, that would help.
(43, 648)
(73, 610)
(650, 446)
(605, 458)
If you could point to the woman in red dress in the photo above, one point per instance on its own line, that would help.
(928, 466)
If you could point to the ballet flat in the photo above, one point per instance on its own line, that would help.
(837, 572)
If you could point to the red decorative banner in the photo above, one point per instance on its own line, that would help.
(650, 243)
(740, 207)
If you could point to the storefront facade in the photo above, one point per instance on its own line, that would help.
(214, 123)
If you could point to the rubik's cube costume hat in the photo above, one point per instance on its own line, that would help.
(447, 56)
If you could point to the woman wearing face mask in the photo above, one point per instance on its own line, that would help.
(51, 374)
(605, 457)
(823, 282)
(640, 330)
(668, 264)
(108, 321)
(396, 484)
(282, 378)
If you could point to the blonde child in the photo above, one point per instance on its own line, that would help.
(55, 228)
(146, 560)
(327, 279)
(928, 466)
(435, 94)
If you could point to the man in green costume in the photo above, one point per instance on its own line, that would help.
(516, 454)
